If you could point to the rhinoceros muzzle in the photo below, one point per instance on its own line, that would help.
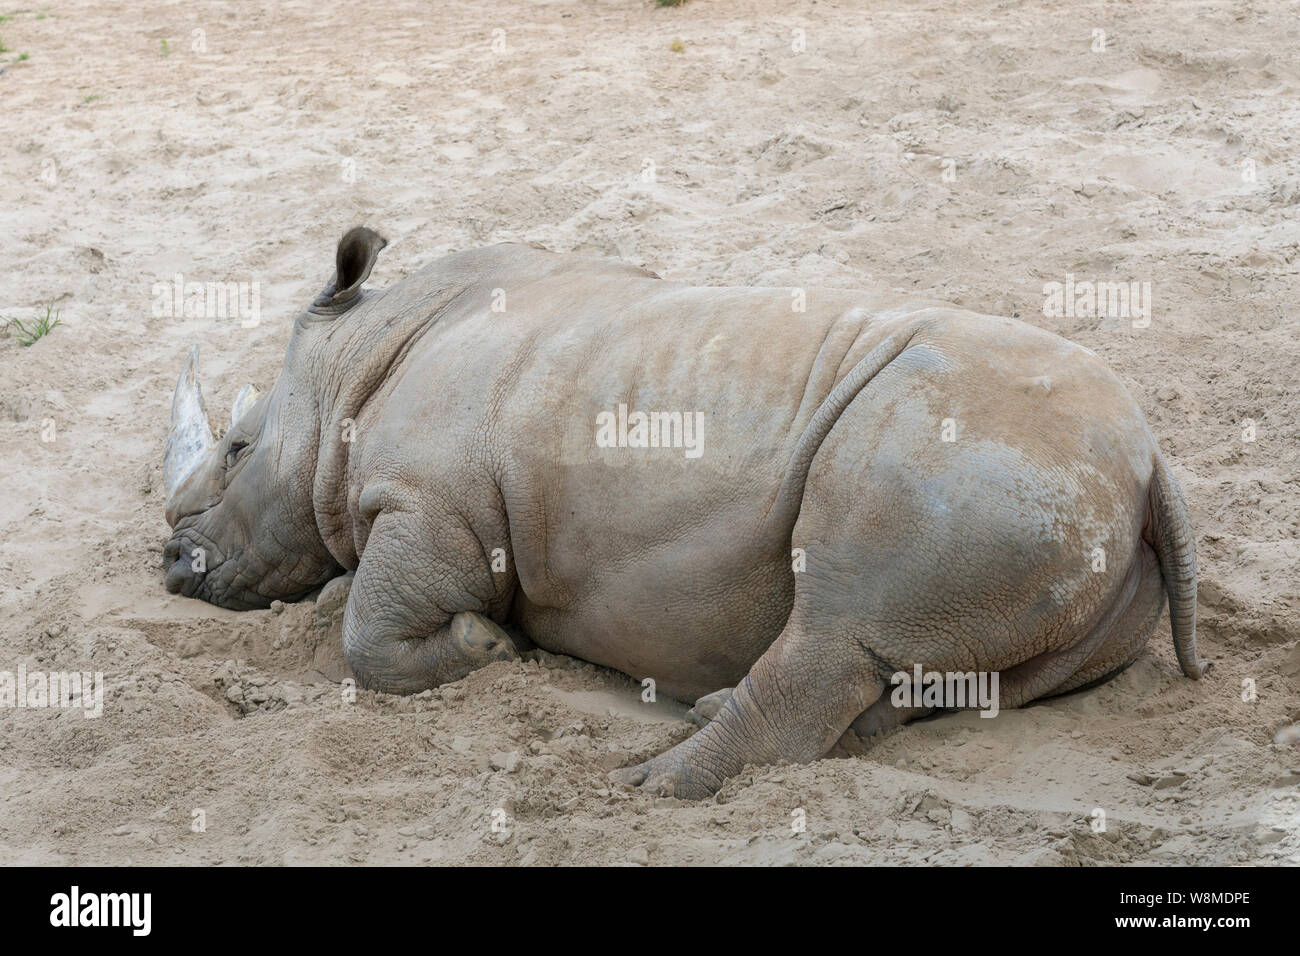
(185, 564)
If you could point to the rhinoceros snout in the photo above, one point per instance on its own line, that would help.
(185, 572)
(181, 578)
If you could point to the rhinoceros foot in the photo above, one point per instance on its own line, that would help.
(480, 640)
(672, 774)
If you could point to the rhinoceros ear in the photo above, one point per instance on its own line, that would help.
(356, 255)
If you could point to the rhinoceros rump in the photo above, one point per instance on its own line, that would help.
(959, 492)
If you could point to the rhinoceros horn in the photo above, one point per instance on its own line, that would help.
(246, 399)
(190, 437)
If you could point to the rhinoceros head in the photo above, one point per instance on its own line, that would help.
(241, 508)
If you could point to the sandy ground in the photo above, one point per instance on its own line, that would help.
(126, 160)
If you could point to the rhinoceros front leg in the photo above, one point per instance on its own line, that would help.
(413, 619)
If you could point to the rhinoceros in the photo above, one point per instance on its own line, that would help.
(798, 494)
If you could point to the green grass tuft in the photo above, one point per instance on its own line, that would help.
(28, 333)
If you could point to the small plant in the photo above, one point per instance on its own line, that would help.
(676, 45)
(86, 101)
(669, 3)
(166, 49)
(24, 56)
(3, 48)
(28, 333)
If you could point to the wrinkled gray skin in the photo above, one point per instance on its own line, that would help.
(475, 430)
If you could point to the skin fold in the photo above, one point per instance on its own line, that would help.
(880, 483)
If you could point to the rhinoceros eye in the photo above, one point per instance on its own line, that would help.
(233, 454)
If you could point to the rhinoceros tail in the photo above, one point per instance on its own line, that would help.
(1171, 535)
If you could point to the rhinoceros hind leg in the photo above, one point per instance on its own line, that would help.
(795, 703)
(1125, 636)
